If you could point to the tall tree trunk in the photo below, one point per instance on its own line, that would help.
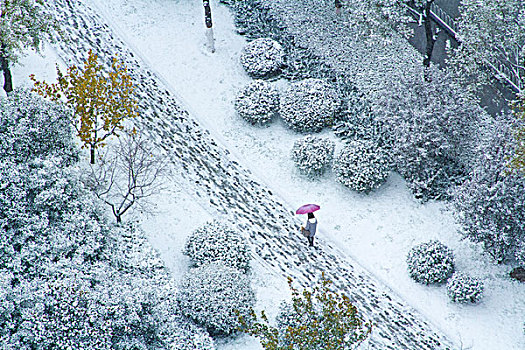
(338, 6)
(209, 30)
(8, 79)
(430, 40)
(92, 152)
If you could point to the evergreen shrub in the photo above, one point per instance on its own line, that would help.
(490, 205)
(313, 155)
(262, 57)
(32, 127)
(464, 289)
(309, 105)
(257, 103)
(430, 263)
(211, 295)
(216, 241)
(362, 166)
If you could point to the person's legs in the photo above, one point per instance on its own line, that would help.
(311, 241)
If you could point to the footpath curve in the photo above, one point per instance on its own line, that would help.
(212, 175)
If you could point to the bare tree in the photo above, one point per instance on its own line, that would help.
(127, 174)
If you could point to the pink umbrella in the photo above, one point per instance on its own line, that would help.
(307, 208)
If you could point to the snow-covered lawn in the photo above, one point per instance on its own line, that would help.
(376, 230)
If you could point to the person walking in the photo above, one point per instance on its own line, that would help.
(311, 226)
(311, 222)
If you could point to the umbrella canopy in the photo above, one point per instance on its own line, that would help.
(307, 208)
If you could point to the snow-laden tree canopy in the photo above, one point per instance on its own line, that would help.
(24, 24)
(491, 203)
(432, 127)
(491, 32)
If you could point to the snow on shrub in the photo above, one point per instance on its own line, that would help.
(313, 155)
(257, 102)
(433, 126)
(490, 205)
(32, 127)
(430, 262)
(358, 122)
(211, 295)
(362, 166)
(69, 279)
(262, 57)
(464, 289)
(182, 333)
(309, 105)
(216, 241)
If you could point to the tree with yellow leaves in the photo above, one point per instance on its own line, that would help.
(320, 319)
(100, 101)
(518, 161)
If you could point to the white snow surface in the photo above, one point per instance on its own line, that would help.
(377, 230)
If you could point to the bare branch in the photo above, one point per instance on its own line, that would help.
(128, 174)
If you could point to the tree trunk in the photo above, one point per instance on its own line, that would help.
(119, 219)
(338, 6)
(209, 30)
(92, 152)
(8, 79)
(430, 40)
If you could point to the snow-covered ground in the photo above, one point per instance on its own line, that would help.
(377, 230)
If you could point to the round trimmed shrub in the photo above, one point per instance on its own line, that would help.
(430, 262)
(211, 295)
(309, 105)
(216, 241)
(262, 57)
(312, 155)
(257, 103)
(362, 166)
(464, 289)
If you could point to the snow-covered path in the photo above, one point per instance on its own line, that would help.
(223, 184)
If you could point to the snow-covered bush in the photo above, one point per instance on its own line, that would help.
(262, 57)
(433, 126)
(68, 279)
(359, 123)
(362, 166)
(309, 105)
(313, 155)
(491, 204)
(66, 313)
(430, 262)
(254, 20)
(183, 334)
(211, 295)
(464, 289)
(216, 241)
(86, 307)
(257, 103)
(47, 217)
(32, 127)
